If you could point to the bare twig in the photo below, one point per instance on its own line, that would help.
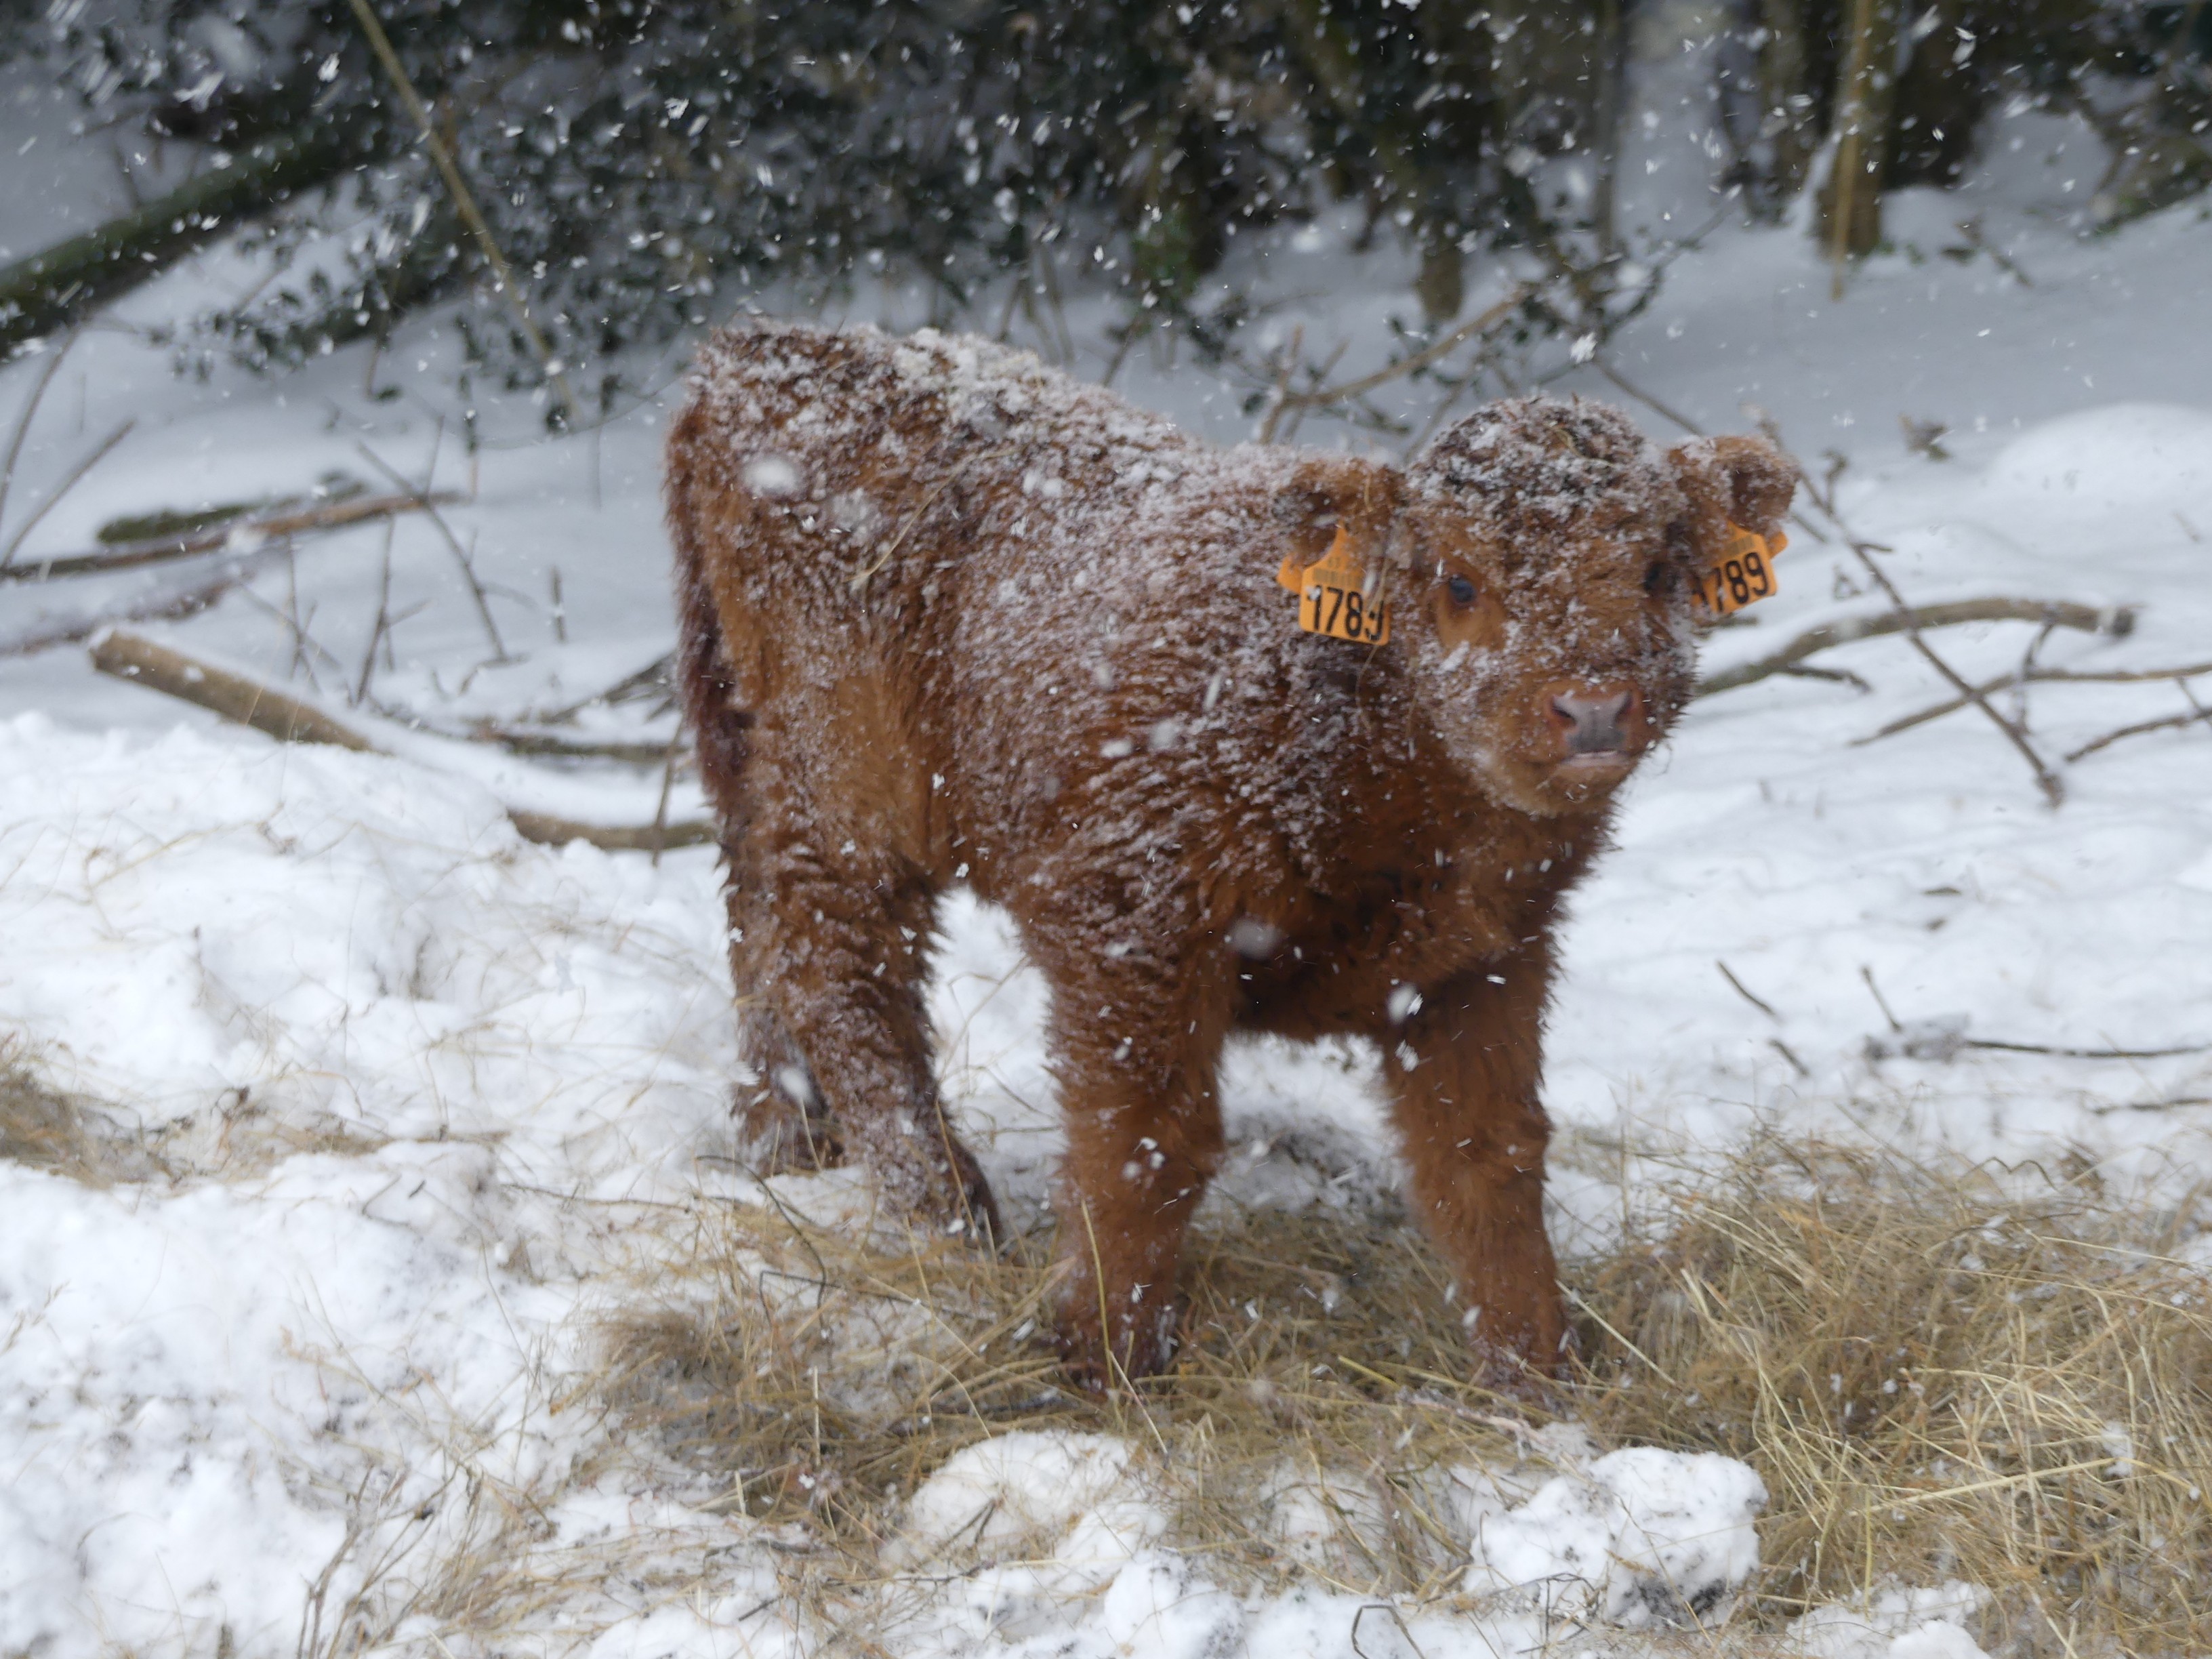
(1824, 497)
(2040, 677)
(30, 413)
(1281, 389)
(383, 620)
(1880, 1001)
(655, 676)
(303, 643)
(2054, 790)
(2083, 1054)
(2113, 621)
(284, 522)
(2138, 729)
(1762, 1006)
(1972, 230)
(423, 499)
(450, 171)
(1321, 397)
(667, 783)
(54, 499)
(240, 697)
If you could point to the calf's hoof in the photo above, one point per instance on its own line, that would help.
(1144, 1339)
(945, 1193)
(777, 1138)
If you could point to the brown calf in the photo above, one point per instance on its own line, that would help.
(950, 616)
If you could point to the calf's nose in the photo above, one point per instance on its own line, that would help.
(1594, 720)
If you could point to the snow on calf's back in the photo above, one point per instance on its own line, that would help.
(1641, 1537)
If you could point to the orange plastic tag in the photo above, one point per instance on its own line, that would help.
(1744, 573)
(1334, 598)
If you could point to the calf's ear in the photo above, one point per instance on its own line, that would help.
(1327, 493)
(1746, 482)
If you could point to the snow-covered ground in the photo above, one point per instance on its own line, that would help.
(398, 1107)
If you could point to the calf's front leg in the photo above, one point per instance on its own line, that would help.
(1137, 1045)
(1463, 1072)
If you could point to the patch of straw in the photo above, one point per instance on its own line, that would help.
(1940, 1373)
(49, 1129)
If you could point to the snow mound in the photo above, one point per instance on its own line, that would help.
(2129, 458)
(1159, 1606)
(284, 945)
(1899, 1624)
(1067, 1506)
(1642, 1537)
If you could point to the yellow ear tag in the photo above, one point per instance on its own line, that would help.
(1744, 573)
(1332, 597)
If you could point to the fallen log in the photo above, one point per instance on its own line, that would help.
(288, 719)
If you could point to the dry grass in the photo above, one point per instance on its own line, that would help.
(99, 1144)
(48, 1129)
(824, 1380)
(1937, 1376)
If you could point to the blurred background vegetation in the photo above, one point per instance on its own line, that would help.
(641, 165)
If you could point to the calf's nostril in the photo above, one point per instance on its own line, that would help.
(1593, 723)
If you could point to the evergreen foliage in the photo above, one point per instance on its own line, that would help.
(643, 164)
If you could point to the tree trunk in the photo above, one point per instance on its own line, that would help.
(68, 281)
(1789, 123)
(1609, 106)
(1850, 217)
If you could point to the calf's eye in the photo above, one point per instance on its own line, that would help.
(1461, 589)
(1660, 578)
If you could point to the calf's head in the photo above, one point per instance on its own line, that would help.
(1541, 557)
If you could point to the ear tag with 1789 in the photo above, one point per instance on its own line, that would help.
(1334, 598)
(1744, 573)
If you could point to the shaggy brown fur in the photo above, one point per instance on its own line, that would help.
(949, 616)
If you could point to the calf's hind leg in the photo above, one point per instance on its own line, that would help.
(840, 968)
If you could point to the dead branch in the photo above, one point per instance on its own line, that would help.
(240, 697)
(2114, 621)
(2054, 790)
(634, 752)
(2082, 1053)
(551, 831)
(2038, 676)
(234, 696)
(1605, 368)
(2135, 730)
(1284, 402)
(288, 521)
(1823, 495)
(182, 596)
(654, 678)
